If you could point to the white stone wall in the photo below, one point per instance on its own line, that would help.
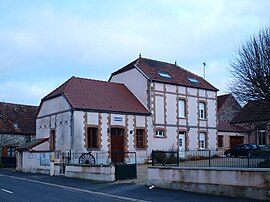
(236, 182)
(164, 103)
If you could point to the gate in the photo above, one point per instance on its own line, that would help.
(128, 168)
(9, 162)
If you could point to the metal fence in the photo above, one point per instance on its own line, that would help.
(210, 158)
(98, 158)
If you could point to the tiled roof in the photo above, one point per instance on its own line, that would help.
(227, 127)
(29, 145)
(253, 111)
(17, 118)
(179, 76)
(221, 100)
(87, 94)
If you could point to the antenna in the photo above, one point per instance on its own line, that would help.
(204, 65)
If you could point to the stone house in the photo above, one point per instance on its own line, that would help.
(182, 105)
(17, 126)
(229, 134)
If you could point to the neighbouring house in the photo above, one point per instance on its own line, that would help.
(255, 117)
(146, 105)
(229, 134)
(17, 126)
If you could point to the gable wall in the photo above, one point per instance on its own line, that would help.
(229, 109)
(55, 114)
(55, 105)
(135, 82)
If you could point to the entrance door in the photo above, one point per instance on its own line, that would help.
(182, 144)
(117, 145)
(234, 140)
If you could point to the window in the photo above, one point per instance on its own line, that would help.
(193, 80)
(27, 138)
(140, 138)
(181, 108)
(202, 141)
(11, 151)
(202, 110)
(220, 140)
(261, 137)
(92, 135)
(164, 75)
(160, 133)
(52, 139)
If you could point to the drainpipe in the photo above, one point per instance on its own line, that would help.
(71, 129)
(150, 94)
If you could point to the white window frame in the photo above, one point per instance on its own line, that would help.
(202, 110)
(202, 140)
(160, 133)
(181, 108)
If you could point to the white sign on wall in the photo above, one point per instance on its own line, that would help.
(118, 119)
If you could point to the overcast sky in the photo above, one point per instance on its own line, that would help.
(44, 43)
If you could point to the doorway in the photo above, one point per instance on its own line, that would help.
(235, 140)
(182, 144)
(117, 145)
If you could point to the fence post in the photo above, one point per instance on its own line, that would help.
(152, 157)
(248, 160)
(209, 157)
(177, 156)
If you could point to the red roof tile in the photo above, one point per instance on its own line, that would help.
(227, 127)
(87, 94)
(179, 76)
(29, 145)
(17, 118)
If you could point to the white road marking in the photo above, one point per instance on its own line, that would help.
(101, 194)
(4, 190)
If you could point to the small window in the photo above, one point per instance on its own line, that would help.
(140, 138)
(193, 80)
(15, 125)
(27, 138)
(164, 75)
(52, 139)
(160, 133)
(220, 140)
(92, 135)
(202, 140)
(181, 108)
(261, 137)
(202, 110)
(11, 151)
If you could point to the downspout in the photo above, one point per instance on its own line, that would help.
(150, 98)
(71, 129)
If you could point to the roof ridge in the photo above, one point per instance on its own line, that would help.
(173, 65)
(26, 105)
(97, 80)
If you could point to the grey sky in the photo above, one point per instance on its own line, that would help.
(43, 43)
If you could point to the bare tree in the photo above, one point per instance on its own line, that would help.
(251, 68)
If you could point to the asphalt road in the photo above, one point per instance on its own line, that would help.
(25, 187)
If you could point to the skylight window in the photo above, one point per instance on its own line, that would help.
(164, 75)
(192, 80)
